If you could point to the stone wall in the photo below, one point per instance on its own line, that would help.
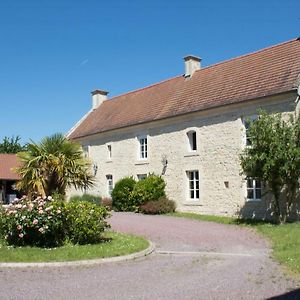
(220, 140)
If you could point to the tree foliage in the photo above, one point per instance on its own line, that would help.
(52, 166)
(274, 158)
(11, 145)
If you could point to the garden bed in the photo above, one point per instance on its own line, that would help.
(115, 244)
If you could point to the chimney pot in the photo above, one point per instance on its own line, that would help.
(98, 96)
(192, 64)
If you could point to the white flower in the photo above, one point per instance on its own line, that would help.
(49, 198)
(21, 235)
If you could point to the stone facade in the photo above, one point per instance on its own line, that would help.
(220, 136)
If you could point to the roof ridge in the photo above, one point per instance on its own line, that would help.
(144, 88)
(250, 53)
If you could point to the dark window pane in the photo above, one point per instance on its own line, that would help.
(249, 183)
(192, 194)
(191, 185)
(250, 194)
(197, 185)
(258, 193)
(258, 183)
(197, 194)
(197, 175)
(194, 143)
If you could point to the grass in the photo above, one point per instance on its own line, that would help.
(117, 244)
(285, 239)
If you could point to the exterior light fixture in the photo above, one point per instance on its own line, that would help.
(95, 168)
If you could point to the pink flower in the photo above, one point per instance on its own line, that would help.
(19, 227)
(48, 208)
(21, 235)
(41, 212)
(35, 221)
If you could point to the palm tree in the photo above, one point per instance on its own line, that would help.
(53, 165)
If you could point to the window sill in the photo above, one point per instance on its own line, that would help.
(191, 154)
(253, 200)
(142, 162)
(193, 203)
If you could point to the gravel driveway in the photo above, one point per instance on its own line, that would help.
(193, 260)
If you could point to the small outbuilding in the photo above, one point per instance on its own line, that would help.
(8, 177)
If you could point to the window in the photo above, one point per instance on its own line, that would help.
(193, 184)
(109, 151)
(253, 189)
(110, 186)
(143, 147)
(247, 123)
(192, 140)
(141, 176)
(85, 150)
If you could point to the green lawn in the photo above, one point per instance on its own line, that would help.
(285, 239)
(117, 244)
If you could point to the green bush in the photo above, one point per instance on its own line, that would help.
(86, 222)
(122, 195)
(161, 206)
(148, 189)
(86, 197)
(39, 222)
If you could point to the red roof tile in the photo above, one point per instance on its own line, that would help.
(8, 162)
(266, 72)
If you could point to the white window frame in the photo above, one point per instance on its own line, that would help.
(254, 189)
(247, 121)
(110, 183)
(192, 140)
(192, 180)
(143, 147)
(141, 176)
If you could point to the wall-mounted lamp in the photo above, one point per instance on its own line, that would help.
(164, 162)
(95, 168)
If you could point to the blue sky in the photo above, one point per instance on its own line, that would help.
(53, 53)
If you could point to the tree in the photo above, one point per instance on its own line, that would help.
(11, 145)
(52, 166)
(274, 158)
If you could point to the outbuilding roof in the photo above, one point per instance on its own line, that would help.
(269, 71)
(8, 162)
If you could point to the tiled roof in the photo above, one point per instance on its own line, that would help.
(266, 72)
(8, 162)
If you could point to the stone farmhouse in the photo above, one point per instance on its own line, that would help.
(191, 129)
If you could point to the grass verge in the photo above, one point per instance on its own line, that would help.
(285, 239)
(117, 244)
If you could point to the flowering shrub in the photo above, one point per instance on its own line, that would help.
(39, 222)
(86, 222)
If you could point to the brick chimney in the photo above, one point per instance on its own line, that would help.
(98, 97)
(192, 64)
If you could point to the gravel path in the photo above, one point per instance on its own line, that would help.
(193, 260)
